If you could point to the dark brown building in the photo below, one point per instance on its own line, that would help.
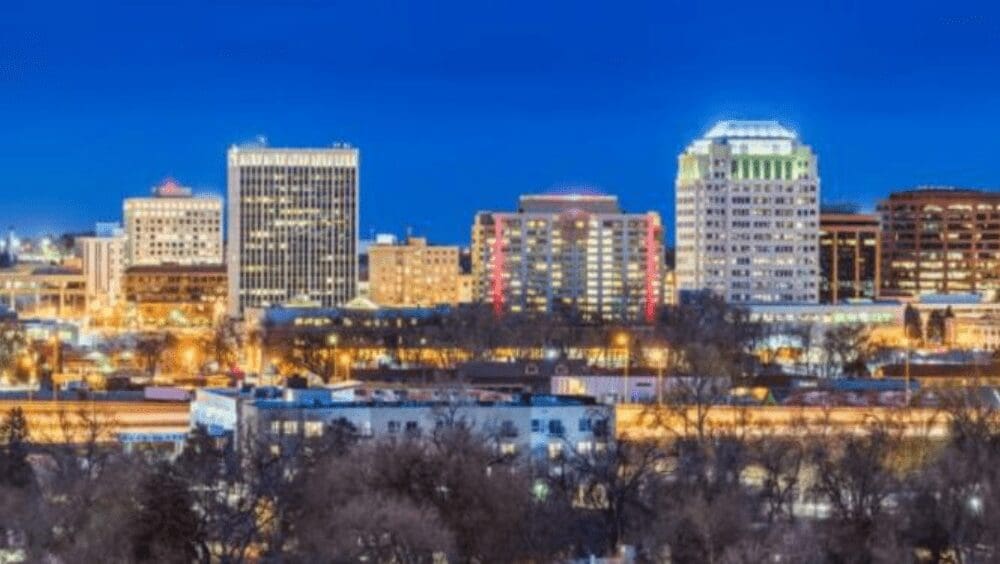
(941, 240)
(176, 295)
(849, 256)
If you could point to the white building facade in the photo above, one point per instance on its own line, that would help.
(292, 226)
(538, 425)
(173, 227)
(747, 206)
(104, 261)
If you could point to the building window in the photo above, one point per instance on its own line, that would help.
(290, 427)
(313, 429)
(555, 450)
(556, 428)
(536, 425)
(394, 426)
(585, 425)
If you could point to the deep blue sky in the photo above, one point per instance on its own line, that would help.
(461, 106)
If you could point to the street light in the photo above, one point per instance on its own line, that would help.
(622, 340)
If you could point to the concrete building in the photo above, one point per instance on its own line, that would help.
(173, 227)
(104, 258)
(747, 201)
(292, 226)
(176, 295)
(413, 274)
(572, 252)
(538, 425)
(850, 256)
(48, 292)
(941, 241)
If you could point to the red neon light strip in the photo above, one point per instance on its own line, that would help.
(652, 270)
(498, 266)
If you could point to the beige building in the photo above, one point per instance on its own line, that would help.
(173, 227)
(414, 274)
(103, 263)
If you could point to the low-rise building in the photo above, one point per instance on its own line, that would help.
(176, 295)
(539, 425)
(50, 292)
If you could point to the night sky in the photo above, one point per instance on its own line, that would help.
(462, 106)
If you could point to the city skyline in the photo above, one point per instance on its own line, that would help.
(489, 110)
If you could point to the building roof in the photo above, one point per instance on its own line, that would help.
(749, 129)
(583, 200)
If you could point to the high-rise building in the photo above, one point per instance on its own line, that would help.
(173, 227)
(747, 204)
(103, 263)
(850, 253)
(571, 252)
(941, 240)
(293, 226)
(413, 274)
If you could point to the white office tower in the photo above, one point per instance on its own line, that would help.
(748, 214)
(293, 227)
(173, 227)
(104, 263)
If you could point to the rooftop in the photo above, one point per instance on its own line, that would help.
(749, 129)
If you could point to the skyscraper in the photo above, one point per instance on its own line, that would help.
(292, 226)
(571, 252)
(173, 227)
(747, 214)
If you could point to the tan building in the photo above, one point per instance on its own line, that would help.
(850, 253)
(103, 265)
(941, 241)
(176, 295)
(173, 227)
(413, 274)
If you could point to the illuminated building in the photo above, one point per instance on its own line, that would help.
(292, 226)
(747, 204)
(173, 227)
(466, 288)
(413, 274)
(540, 426)
(849, 256)
(941, 241)
(173, 295)
(104, 260)
(44, 292)
(669, 287)
(569, 252)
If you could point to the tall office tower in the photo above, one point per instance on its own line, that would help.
(850, 253)
(104, 262)
(941, 240)
(173, 227)
(569, 252)
(747, 214)
(293, 226)
(413, 274)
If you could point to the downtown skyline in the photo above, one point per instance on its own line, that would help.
(487, 111)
